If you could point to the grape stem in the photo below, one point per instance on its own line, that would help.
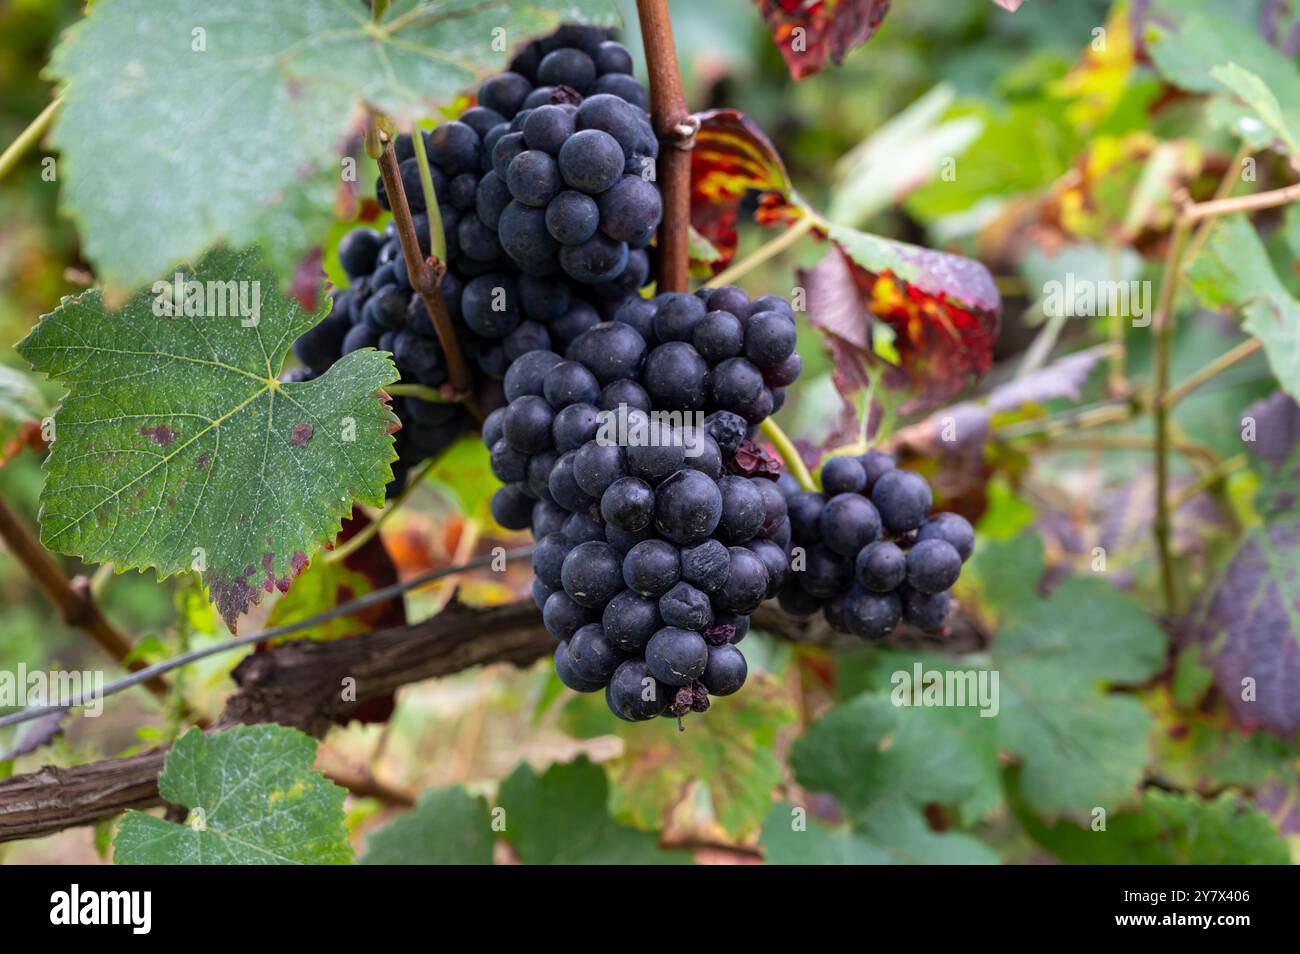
(28, 137)
(673, 126)
(426, 275)
(357, 541)
(788, 453)
(437, 238)
(421, 391)
(767, 250)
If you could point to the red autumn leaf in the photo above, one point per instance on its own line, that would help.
(732, 156)
(807, 31)
(943, 309)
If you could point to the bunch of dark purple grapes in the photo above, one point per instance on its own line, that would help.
(654, 542)
(569, 182)
(873, 554)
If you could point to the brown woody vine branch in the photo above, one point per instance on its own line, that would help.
(676, 131)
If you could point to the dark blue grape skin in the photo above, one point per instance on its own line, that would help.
(358, 251)
(570, 383)
(628, 504)
(525, 238)
(489, 305)
(825, 572)
(925, 611)
(728, 298)
(582, 528)
(548, 557)
(706, 565)
(651, 568)
(504, 93)
(574, 426)
(598, 259)
(481, 119)
(476, 240)
(454, 146)
(725, 671)
(539, 474)
(686, 607)
(565, 671)
(508, 465)
(624, 540)
(630, 211)
(775, 562)
(592, 574)
(805, 511)
(527, 336)
(630, 619)
(731, 627)
(718, 336)
(527, 424)
(703, 454)
(548, 518)
(567, 67)
(492, 427)
(875, 464)
(952, 528)
(547, 127)
(785, 373)
(541, 593)
(848, 523)
(624, 87)
(728, 429)
(769, 339)
(633, 694)
(542, 299)
(572, 218)
(655, 452)
(527, 374)
(871, 615)
(688, 506)
(320, 346)
(743, 510)
(843, 475)
(775, 509)
(511, 507)
(533, 178)
(932, 566)
(504, 152)
(676, 377)
(610, 350)
(590, 160)
(797, 602)
(592, 656)
(612, 57)
(598, 466)
(580, 318)
(564, 489)
(623, 394)
(734, 385)
(746, 583)
(676, 315)
(677, 656)
(880, 566)
(615, 116)
(639, 313)
(903, 499)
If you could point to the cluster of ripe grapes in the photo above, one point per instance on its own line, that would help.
(874, 555)
(654, 542)
(503, 301)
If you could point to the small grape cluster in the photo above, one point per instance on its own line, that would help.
(568, 186)
(874, 555)
(654, 541)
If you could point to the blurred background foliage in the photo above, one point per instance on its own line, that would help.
(1066, 157)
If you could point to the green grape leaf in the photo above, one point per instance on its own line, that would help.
(447, 826)
(728, 752)
(1168, 828)
(893, 833)
(1234, 270)
(177, 447)
(561, 817)
(253, 797)
(224, 120)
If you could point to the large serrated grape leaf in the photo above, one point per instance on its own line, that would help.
(254, 798)
(198, 121)
(447, 826)
(894, 833)
(1234, 270)
(561, 817)
(728, 753)
(1168, 828)
(177, 447)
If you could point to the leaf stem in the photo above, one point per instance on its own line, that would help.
(675, 128)
(1161, 326)
(1242, 203)
(437, 238)
(421, 391)
(357, 541)
(767, 250)
(1213, 369)
(425, 276)
(788, 452)
(28, 137)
